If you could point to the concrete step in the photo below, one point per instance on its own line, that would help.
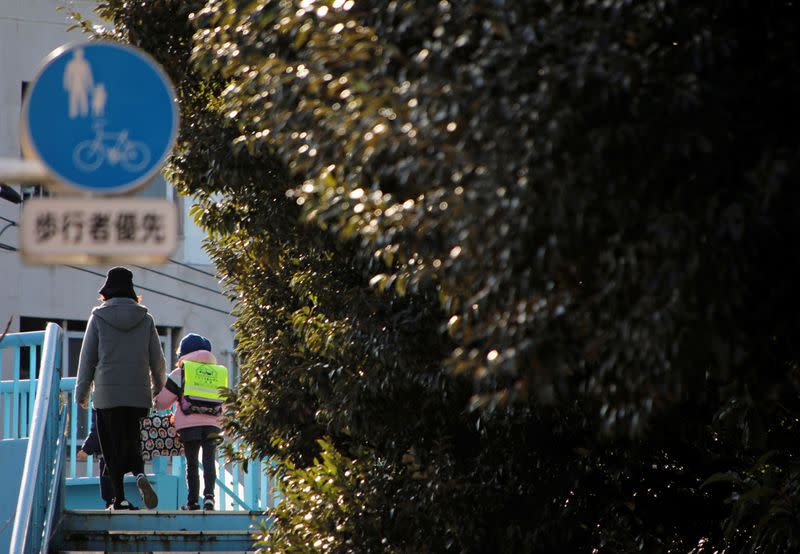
(157, 531)
(160, 520)
(157, 541)
(158, 552)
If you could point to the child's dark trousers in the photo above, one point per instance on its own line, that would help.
(194, 439)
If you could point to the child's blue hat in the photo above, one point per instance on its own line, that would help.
(192, 343)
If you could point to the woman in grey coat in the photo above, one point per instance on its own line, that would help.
(122, 356)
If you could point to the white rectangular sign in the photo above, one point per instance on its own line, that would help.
(95, 231)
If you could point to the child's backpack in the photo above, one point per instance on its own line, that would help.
(201, 392)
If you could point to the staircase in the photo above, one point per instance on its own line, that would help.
(93, 531)
(38, 467)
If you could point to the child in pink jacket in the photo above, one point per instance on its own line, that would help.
(195, 430)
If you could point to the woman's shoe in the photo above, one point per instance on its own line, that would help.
(190, 506)
(208, 503)
(124, 505)
(146, 490)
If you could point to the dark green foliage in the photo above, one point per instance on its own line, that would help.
(512, 276)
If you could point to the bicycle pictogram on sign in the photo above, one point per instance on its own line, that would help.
(115, 148)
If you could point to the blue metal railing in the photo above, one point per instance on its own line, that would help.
(237, 490)
(43, 421)
(18, 394)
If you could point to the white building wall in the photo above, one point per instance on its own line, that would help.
(29, 30)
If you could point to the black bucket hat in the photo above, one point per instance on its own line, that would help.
(119, 284)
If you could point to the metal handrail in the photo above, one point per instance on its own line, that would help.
(235, 497)
(46, 393)
(54, 497)
(27, 338)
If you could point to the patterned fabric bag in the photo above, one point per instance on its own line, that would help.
(159, 436)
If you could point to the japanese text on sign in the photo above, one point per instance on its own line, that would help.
(87, 230)
(101, 226)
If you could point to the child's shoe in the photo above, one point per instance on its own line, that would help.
(208, 502)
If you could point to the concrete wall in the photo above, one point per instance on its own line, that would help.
(12, 460)
(29, 30)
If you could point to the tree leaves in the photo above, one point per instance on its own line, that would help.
(543, 246)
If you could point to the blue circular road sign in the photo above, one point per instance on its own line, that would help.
(101, 116)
